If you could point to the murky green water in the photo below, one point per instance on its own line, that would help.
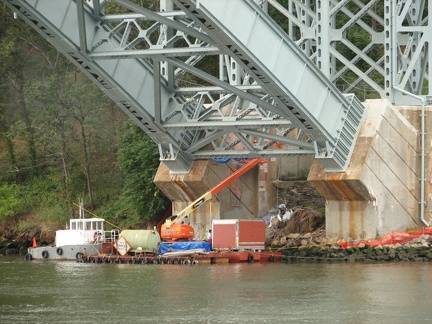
(69, 292)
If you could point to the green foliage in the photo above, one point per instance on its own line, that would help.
(42, 197)
(120, 212)
(114, 8)
(24, 224)
(139, 160)
(53, 213)
(277, 16)
(39, 198)
(11, 203)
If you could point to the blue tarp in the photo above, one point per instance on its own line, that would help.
(183, 246)
(221, 160)
(267, 216)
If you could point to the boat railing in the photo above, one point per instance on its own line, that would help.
(108, 236)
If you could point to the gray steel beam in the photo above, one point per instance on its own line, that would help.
(393, 53)
(135, 78)
(243, 31)
(144, 59)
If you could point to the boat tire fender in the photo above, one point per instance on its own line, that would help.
(79, 255)
(28, 257)
(59, 251)
(45, 254)
(250, 258)
(271, 259)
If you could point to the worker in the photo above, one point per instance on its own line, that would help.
(284, 214)
(209, 236)
(98, 236)
(281, 211)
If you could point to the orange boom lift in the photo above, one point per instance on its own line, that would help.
(174, 230)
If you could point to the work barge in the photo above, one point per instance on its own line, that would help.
(232, 241)
(87, 241)
(214, 257)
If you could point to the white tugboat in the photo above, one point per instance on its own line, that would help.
(84, 236)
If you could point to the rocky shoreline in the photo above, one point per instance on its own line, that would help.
(13, 248)
(419, 250)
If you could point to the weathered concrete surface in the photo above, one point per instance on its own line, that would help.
(281, 170)
(238, 200)
(380, 190)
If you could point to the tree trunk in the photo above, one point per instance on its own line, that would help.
(86, 162)
(64, 160)
(29, 127)
(9, 146)
(4, 127)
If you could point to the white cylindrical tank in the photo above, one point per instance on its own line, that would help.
(148, 240)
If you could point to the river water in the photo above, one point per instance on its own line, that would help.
(70, 292)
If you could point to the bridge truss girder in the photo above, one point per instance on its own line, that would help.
(393, 54)
(140, 60)
(144, 60)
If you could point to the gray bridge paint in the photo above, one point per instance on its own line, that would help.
(184, 128)
(290, 87)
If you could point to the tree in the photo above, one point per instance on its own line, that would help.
(17, 57)
(139, 160)
(71, 105)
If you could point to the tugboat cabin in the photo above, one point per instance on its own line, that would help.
(82, 231)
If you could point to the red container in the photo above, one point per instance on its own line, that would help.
(238, 234)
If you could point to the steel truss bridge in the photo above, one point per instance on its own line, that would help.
(276, 89)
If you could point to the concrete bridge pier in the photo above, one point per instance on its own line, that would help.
(241, 198)
(380, 190)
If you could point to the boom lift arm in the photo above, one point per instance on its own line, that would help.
(172, 229)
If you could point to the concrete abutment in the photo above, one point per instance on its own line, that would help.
(380, 190)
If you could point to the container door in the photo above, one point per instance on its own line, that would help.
(224, 236)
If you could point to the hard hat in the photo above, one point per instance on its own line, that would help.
(282, 206)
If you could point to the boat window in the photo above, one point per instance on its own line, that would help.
(73, 226)
(88, 226)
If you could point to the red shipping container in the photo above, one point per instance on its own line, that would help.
(238, 234)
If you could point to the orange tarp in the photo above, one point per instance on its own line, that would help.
(392, 238)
